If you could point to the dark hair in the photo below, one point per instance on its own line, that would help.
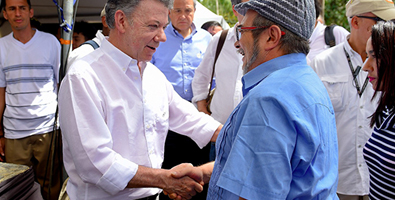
(318, 8)
(289, 43)
(127, 6)
(88, 30)
(4, 1)
(209, 24)
(383, 42)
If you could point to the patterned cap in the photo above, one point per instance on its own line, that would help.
(297, 16)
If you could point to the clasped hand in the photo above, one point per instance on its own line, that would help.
(186, 173)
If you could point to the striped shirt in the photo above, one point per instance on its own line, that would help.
(29, 73)
(379, 153)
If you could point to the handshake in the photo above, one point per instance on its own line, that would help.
(186, 180)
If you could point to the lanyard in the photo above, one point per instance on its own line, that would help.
(355, 74)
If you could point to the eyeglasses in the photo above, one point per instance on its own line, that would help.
(372, 18)
(240, 29)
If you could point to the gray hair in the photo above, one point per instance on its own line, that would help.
(235, 2)
(289, 43)
(127, 6)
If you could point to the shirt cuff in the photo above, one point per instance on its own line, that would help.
(116, 178)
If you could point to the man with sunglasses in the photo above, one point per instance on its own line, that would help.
(280, 141)
(350, 93)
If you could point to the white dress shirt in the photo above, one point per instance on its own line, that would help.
(228, 73)
(84, 49)
(317, 39)
(114, 119)
(352, 114)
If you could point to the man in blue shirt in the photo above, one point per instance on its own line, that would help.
(178, 58)
(280, 141)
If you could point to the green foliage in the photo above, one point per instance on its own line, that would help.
(335, 13)
(224, 8)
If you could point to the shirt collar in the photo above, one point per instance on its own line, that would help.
(122, 60)
(256, 75)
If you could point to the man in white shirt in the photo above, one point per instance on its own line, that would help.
(116, 108)
(347, 85)
(228, 73)
(317, 39)
(86, 48)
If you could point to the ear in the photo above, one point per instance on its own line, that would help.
(354, 22)
(5, 14)
(103, 21)
(31, 12)
(121, 21)
(234, 11)
(273, 37)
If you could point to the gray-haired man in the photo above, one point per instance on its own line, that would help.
(116, 108)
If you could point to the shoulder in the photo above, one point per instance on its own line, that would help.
(47, 38)
(330, 56)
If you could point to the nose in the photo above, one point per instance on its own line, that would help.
(161, 36)
(237, 44)
(17, 12)
(367, 67)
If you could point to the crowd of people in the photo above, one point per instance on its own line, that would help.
(292, 116)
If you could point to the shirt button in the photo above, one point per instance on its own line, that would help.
(359, 126)
(361, 107)
(185, 64)
(360, 165)
(185, 51)
(185, 76)
(186, 90)
(359, 146)
(148, 126)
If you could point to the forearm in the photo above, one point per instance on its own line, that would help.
(149, 177)
(207, 170)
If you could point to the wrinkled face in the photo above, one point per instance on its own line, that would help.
(146, 31)
(371, 65)
(18, 14)
(181, 16)
(78, 39)
(214, 29)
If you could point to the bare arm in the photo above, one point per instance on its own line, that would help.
(2, 106)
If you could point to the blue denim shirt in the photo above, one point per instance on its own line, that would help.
(280, 142)
(178, 58)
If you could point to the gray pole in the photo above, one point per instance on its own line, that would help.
(68, 11)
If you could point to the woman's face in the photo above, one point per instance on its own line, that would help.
(370, 65)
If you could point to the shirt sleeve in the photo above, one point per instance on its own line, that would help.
(203, 72)
(82, 118)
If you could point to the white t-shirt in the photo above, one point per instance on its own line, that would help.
(29, 72)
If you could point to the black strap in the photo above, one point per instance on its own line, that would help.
(221, 42)
(355, 74)
(92, 43)
(329, 36)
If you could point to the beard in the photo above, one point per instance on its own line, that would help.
(256, 51)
